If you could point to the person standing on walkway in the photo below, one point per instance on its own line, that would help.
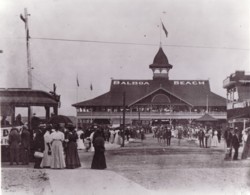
(25, 145)
(246, 146)
(228, 137)
(112, 135)
(179, 135)
(99, 161)
(142, 134)
(72, 157)
(169, 135)
(14, 145)
(201, 136)
(215, 141)
(209, 139)
(38, 146)
(235, 145)
(47, 148)
(80, 139)
(57, 158)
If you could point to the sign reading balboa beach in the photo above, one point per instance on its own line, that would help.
(130, 83)
(189, 82)
(140, 83)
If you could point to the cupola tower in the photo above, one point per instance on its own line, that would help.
(160, 66)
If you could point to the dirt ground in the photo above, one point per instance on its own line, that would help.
(144, 167)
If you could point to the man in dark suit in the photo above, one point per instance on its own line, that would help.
(235, 144)
(201, 136)
(14, 143)
(168, 135)
(25, 145)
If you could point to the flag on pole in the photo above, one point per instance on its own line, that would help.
(91, 87)
(22, 18)
(164, 29)
(77, 81)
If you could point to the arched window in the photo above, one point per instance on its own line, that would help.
(160, 98)
(157, 70)
(164, 71)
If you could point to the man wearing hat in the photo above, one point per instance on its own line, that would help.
(25, 145)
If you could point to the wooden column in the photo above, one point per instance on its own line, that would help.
(13, 115)
(55, 110)
(47, 112)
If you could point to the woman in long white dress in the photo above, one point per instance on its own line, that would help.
(79, 141)
(112, 136)
(91, 139)
(47, 150)
(215, 141)
(117, 137)
(209, 138)
(57, 156)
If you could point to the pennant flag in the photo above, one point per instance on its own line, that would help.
(22, 18)
(91, 87)
(164, 29)
(77, 81)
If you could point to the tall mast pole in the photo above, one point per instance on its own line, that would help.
(29, 68)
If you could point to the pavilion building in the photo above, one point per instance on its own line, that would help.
(150, 101)
(238, 99)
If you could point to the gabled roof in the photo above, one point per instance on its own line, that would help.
(193, 92)
(160, 88)
(206, 118)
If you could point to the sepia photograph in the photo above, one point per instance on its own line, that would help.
(130, 97)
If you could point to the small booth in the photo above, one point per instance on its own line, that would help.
(13, 98)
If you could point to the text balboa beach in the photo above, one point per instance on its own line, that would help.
(141, 83)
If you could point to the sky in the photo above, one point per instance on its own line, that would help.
(207, 39)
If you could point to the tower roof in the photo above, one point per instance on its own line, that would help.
(160, 60)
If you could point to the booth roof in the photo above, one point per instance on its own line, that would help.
(193, 94)
(26, 97)
(206, 117)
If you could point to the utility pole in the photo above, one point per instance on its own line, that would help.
(29, 68)
(124, 112)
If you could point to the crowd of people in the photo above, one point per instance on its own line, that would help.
(55, 146)
(207, 137)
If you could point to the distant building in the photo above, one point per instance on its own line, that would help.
(238, 98)
(155, 100)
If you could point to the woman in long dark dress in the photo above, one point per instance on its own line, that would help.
(99, 161)
(72, 157)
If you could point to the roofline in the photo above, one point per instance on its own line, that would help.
(157, 90)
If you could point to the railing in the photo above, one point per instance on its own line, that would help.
(243, 104)
(152, 115)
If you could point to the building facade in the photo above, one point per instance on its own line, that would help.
(150, 101)
(238, 98)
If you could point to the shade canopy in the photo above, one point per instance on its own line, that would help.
(206, 118)
(60, 119)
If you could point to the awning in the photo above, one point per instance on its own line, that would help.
(206, 118)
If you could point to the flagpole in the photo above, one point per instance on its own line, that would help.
(91, 88)
(77, 85)
(207, 103)
(160, 31)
